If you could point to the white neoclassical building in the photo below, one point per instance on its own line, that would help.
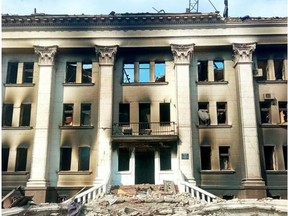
(142, 98)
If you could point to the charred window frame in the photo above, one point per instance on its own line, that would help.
(164, 114)
(68, 114)
(7, 115)
(84, 159)
(265, 112)
(283, 111)
(28, 69)
(144, 72)
(71, 69)
(221, 112)
(224, 157)
(159, 74)
(203, 109)
(278, 68)
(65, 158)
(205, 157)
(269, 153)
(124, 114)
(285, 156)
(25, 115)
(86, 114)
(202, 71)
(12, 72)
(165, 159)
(123, 159)
(21, 159)
(263, 64)
(5, 158)
(87, 72)
(128, 73)
(218, 70)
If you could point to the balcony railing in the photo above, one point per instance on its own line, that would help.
(144, 129)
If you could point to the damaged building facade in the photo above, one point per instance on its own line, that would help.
(141, 98)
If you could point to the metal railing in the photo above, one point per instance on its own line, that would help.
(144, 128)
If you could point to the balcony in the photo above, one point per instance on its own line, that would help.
(144, 131)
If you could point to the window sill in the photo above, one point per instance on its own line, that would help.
(15, 173)
(271, 81)
(277, 172)
(273, 125)
(78, 84)
(128, 172)
(144, 83)
(17, 128)
(75, 127)
(217, 171)
(212, 82)
(213, 126)
(74, 172)
(19, 84)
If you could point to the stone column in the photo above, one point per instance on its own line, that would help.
(106, 61)
(253, 185)
(182, 57)
(37, 184)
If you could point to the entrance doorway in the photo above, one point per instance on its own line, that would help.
(144, 166)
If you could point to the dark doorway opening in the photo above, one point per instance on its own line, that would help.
(144, 166)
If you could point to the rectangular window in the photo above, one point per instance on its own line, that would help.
(85, 114)
(28, 72)
(164, 114)
(65, 159)
(203, 113)
(278, 68)
(224, 157)
(222, 112)
(128, 73)
(68, 114)
(144, 72)
(5, 158)
(87, 72)
(25, 114)
(7, 114)
(21, 159)
(265, 111)
(283, 112)
(165, 158)
(123, 159)
(205, 158)
(12, 72)
(84, 158)
(262, 64)
(71, 68)
(269, 157)
(144, 118)
(285, 156)
(159, 72)
(124, 114)
(202, 71)
(218, 70)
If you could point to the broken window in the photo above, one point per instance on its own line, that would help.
(123, 159)
(262, 65)
(218, 70)
(87, 72)
(21, 159)
(203, 113)
(71, 68)
(265, 108)
(202, 71)
(164, 114)
(12, 73)
(65, 158)
(159, 72)
(28, 72)
(165, 159)
(278, 68)
(7, 114)
(128, 73)
(285, 156)
(144, 118)
(85, 114)
(84, 158)
(68, 114)
(222, 112)
(25, 115)
(224, 157)
(205, 158)
(269, 157)
(5, 158)
(144, 72)
(124, 114)
(283, 111)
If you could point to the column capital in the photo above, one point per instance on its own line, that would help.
(243, 51)
(46, 54)
(106, 54)
(182, 53)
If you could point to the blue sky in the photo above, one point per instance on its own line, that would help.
(237, 8)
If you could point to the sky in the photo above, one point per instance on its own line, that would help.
(237, 8)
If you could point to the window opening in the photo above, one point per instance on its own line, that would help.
(71, 68)
(65, 159)
(202, 70)
(7, 114)
(21, 159)
(262, 64)
(164, 114)
(85, 114)
(278, 68)
(144, 72)
(165, 159)
(265, 109)
(84, 158)
(128, 73)
(205, 158)
(28, 72)
(269, 157)
(123, 159)
(218, 70)
(68, 114)
(203, 113)
(144, 118)
(283, 112)
(224, 158)
(12, 73)
(25, 114)
(124, 114)
(285, 156)
(5, 157)
(221, 112)
(159, 72)
(87, 72)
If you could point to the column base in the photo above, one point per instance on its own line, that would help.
(253, 188)
(39, 194)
